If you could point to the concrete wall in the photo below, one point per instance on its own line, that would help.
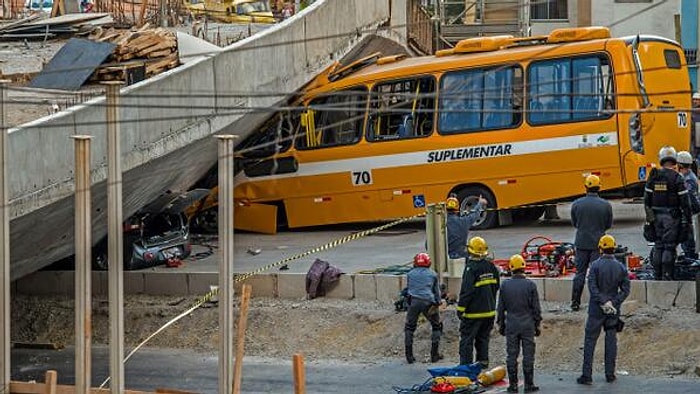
(623, 18)
(163, 118)
(383, 288)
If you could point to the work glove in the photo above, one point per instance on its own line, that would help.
(608, 308)
(537, 331)
(502, 329)
(649, 215)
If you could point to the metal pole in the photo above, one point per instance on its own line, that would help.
(440, 228)
(5, 252)
(115, 241)
(430, 223)
(226, 144)
(83, 300)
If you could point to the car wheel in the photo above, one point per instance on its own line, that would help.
(469, 196)
(100, 260)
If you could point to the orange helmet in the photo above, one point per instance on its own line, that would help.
(452, 204)
(421, 260)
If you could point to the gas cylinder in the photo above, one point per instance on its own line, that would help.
(457, 381)
(492, 375)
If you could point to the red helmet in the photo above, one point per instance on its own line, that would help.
(421, 260)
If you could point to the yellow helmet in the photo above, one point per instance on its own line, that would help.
(516, 262)
(607, 242)
(477, 246)
(592, 181)
(452, 204)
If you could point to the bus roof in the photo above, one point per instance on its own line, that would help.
(521, 50)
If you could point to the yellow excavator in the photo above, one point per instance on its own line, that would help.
(232, 11)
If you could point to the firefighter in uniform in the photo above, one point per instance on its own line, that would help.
(518, 317)
(667, 207)
(609, 286)
(687, 167)
(458, 226)
(423, 299)
(476, 306)
(591, 216)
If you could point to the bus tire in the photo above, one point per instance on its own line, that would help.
(468, 197)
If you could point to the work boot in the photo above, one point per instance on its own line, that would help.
(584, 380)
(513, 379)
(435, 355)
(610, 378)
(409, 355)
(529, 382)
(408, 344)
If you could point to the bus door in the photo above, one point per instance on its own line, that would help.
(662, 82)
(263, 161)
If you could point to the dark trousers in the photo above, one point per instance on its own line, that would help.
(594, 324)
(514, 341)
(584, 257)
(664, 260)
(688, 246)
(474, 335)
(416, 308)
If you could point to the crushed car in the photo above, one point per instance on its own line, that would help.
(157, 234)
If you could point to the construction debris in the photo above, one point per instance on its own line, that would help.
(138, 54)
(72, 65)
(34, 27)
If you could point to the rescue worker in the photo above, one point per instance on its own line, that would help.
(591, 216)
(423, 299)
(476, 306)
(667, 207)
(518, 317)
(609, 286)
(694, 120)
(686, 167)
(458, 225)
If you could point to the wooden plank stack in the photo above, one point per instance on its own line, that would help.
(156, 49)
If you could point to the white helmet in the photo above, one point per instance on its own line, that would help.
(684, 157)
(696, 96)
(668, 153)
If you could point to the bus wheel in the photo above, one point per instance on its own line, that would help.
(468, 198)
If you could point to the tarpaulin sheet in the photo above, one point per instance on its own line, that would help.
(73, 64)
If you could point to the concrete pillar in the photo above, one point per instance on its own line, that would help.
(115, 241)
(5, 282)
(83, 243)
(226, 252)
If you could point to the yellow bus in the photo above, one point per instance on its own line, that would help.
(518, 121)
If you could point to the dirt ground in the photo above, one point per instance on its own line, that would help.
(656, 342)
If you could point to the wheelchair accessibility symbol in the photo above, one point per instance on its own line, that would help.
(642, 174)
(419, 201)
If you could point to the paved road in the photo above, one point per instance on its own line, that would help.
(398, 245)
(186, 370)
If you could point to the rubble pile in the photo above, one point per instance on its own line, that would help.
(152, 51)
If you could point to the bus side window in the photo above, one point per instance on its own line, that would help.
(337, 119)
(480, 99)
(570, 89)
(401, 109)
(273, 137)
